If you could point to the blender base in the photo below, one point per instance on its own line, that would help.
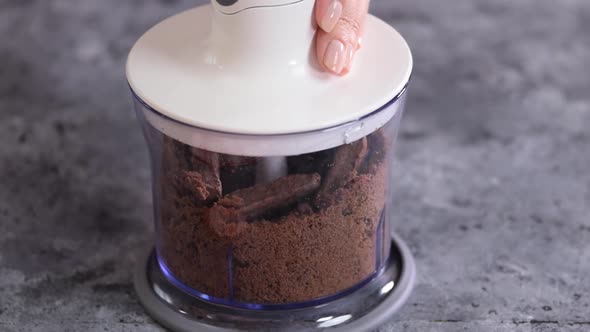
(364, 309)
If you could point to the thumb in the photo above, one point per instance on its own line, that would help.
(341, 24)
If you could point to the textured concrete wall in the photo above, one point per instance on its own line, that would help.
(493, 180)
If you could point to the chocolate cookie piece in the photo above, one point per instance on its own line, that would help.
(377, 152)
(199, 178)
(317, 162)
(304, 208)
(237, 172)
(347, 161)
(204, 175)
(204, 186)
(255, 202)
(188, 171)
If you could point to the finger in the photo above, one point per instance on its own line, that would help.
(327, 13)
(336, 47)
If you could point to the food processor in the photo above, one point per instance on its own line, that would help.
(271, 179)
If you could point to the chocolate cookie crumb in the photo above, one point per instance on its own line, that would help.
(346, 163)
(312, 233)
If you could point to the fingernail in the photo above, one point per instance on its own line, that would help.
(335, 58)
(349, 57)
(332, 16)
(359, 43)
(350, 52)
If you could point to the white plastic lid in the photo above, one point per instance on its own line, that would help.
(274, 145)
(247, 68)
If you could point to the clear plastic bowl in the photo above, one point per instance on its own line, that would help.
(272, 230)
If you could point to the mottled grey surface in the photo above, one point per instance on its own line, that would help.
(493, 183)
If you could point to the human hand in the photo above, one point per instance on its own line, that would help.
(340, 24)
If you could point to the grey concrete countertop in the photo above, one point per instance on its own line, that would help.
(493, 178)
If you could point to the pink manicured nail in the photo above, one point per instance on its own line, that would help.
(332, 16)
(335, 58)
(349, 56)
